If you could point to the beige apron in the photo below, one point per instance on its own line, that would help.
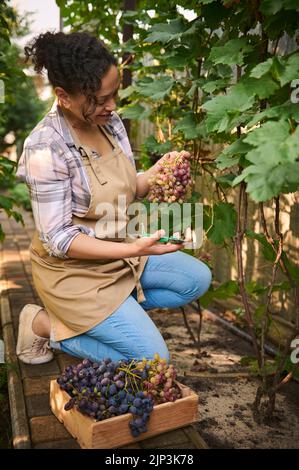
(77, 293)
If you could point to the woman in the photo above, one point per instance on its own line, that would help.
(95, 289)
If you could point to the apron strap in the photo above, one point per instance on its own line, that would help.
(140, 294)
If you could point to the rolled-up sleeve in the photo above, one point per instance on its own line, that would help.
(45, 171)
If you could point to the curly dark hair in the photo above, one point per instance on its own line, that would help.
(75, 62)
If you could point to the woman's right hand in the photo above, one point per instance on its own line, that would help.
(151, 246)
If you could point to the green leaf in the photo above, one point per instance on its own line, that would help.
(253, 287)
(271, 131)
(274, 66)
(282, 286)
(230, 156)
(261, 69)
(267, 249)
(224, 111)
(291, 70)
(153, 146)
(6, 202)
(292, 267)
(226, 161)
(213, 85)
(165, 32)
(268, 180)
(271, 7)
(224, 291)
(230, 53)
(178, 58)
(247, 360)
(124, 93)
(262, 87)
(223, 223)
(189, 126)
(2, 234)
(226, 180)
(134, 111)
(155, 89)
(284, 112)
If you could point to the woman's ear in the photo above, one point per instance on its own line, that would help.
(63, 97)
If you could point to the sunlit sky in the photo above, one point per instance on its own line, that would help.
(45, 16)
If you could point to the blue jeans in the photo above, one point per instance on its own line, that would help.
(169, 280)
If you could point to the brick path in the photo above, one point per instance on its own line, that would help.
(33, 424)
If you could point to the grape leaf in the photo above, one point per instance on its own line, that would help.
(224, 223)
(267, 250)
(230, 53)
(134, 111)
(230, 155)
(291, 70)
(155, 89)
(270, 7)
(284, 111)
(189, 126)
(152, 145)
(165, 32)
(263, 87)
(261, 68)
(277, 131)
(265, 181)
(224, 291)
(212, 85)
(125, 92)
(223, 111)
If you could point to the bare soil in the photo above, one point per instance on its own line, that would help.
(226, 389)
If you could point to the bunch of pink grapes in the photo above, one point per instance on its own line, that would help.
(171, 178)
(160, 385)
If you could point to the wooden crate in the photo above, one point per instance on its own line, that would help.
(115, 432)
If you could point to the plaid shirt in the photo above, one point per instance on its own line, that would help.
(51, 166)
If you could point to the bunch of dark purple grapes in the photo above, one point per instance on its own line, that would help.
(108, 388)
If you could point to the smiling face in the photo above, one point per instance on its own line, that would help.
(78, 107)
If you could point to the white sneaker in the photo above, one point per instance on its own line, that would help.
(31, 349)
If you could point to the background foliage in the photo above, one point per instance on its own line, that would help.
(221, 78)
(19, 113)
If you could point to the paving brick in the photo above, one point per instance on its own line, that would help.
(184, 445)
(17, 303)
(63, 444)
(37, 385)
(136, 445)
(174, 438)
(19, 286)
(39, 370)
(47, 429)
(15, 270)
(65, 360)
(38, 405)
(15, 321)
